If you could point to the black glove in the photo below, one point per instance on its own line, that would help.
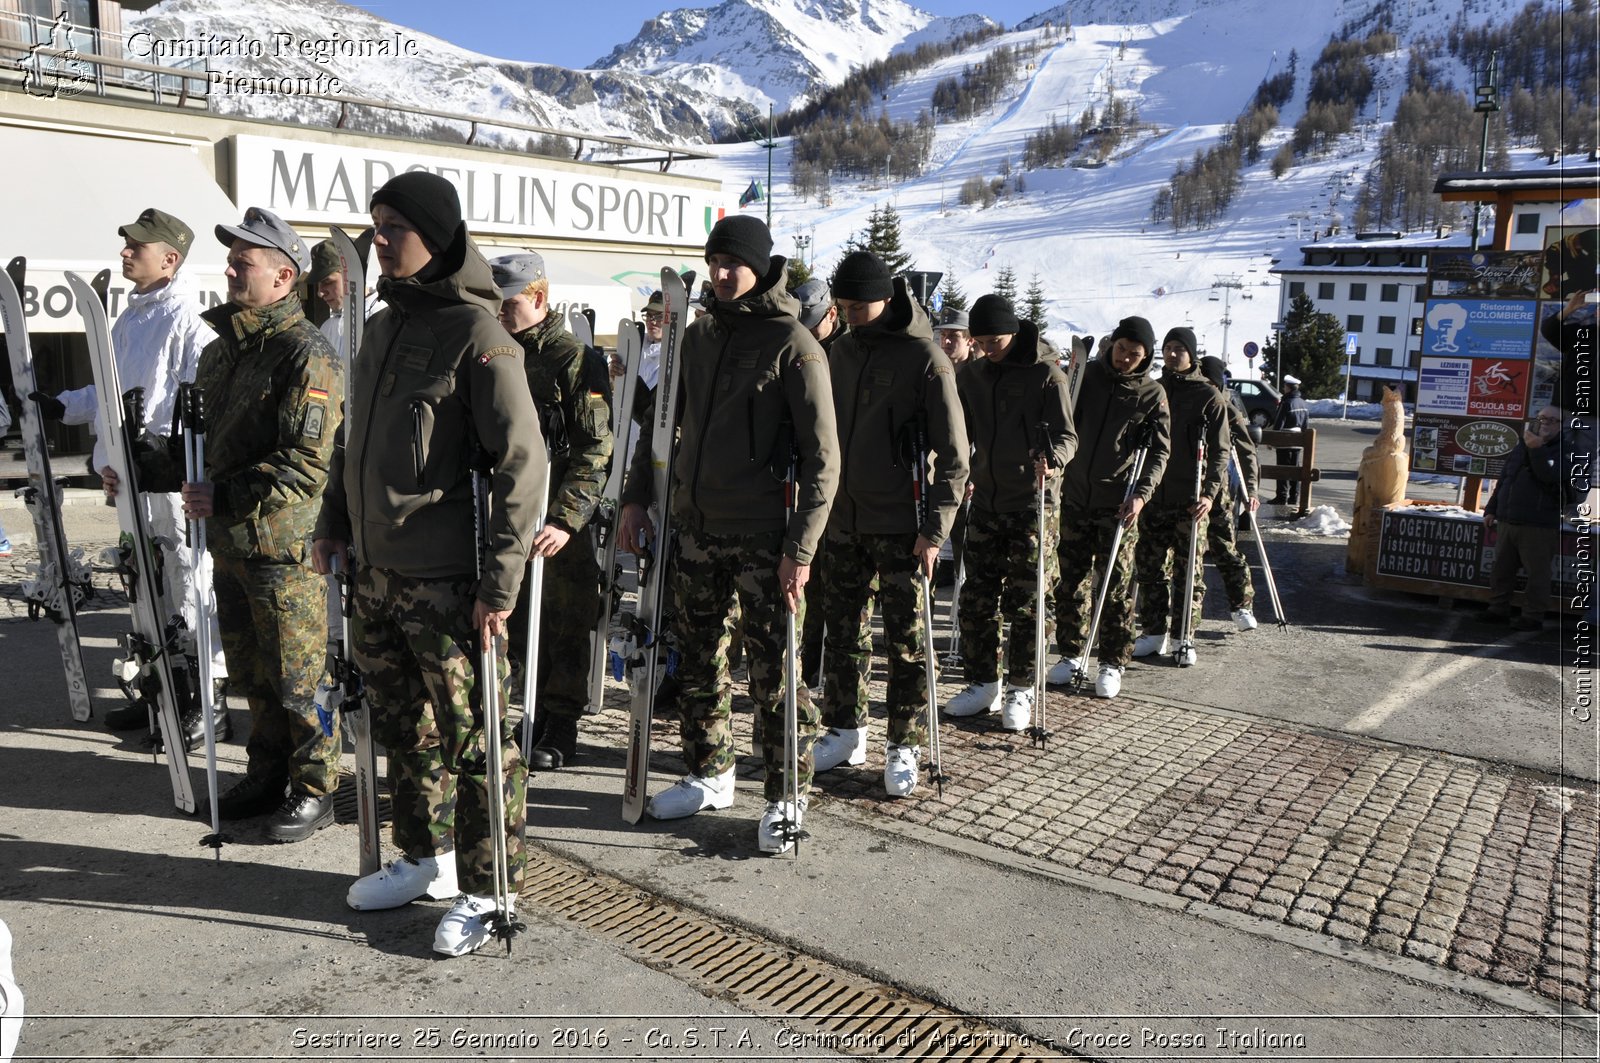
(50, 407)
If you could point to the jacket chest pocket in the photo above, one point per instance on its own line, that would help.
(1009, 398)
(875, 384)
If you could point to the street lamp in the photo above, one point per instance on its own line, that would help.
(1488, 93)
(801, 242)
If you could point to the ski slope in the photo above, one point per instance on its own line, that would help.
(1086, 232)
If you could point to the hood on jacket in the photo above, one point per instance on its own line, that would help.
(458, 274)
(1026, 348)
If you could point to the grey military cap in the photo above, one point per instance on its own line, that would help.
(815, 298)
(263, 228)
(513, 273)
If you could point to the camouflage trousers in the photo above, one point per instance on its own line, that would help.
(1161, 565)
(852, 564)
(711, 575)
(1085, 549)
(1002, 561)
(1223, 548)
(416, 649)
(274, 625)
(570, 610)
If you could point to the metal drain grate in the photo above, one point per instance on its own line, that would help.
(839, 1011)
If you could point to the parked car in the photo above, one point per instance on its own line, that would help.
(1260, 400)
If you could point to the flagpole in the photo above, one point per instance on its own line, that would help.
(770, 144)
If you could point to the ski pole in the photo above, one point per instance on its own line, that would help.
(1140, 454)
(1185, 649)
(789, 828)
(919, 488)
(503, 923)
(530, 650)
(1266, 567)
(191, 402)
(1039, 733)
(952, 653)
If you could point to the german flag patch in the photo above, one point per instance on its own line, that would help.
(316, 413)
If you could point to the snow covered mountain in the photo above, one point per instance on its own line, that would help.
(777, 51)
(438, 76)
(1084, 231)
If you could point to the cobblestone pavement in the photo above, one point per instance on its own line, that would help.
(1482, 869)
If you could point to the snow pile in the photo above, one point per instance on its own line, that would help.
(1437, 509)
(1323, 522)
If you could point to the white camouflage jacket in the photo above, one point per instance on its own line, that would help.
(157, 339)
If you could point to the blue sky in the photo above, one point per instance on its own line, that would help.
(576, 34)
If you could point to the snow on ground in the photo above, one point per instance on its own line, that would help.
(1322, 522)
(1085, 231)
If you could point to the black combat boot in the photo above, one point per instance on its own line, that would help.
(300, 816)
(194, 725)
(253, 795)
(559, 746)
(129, 716)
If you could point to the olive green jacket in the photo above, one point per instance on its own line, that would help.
(572, 390)
(438, 388)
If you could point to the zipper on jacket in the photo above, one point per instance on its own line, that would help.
(418, 458)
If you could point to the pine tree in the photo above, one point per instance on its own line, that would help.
(1005, 284)
(798, 272)
(1033, 304)
(1313, 348)
(954, 297)
(885, 240)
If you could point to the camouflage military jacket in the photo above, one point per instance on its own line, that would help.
(273, 393)
(572, 389)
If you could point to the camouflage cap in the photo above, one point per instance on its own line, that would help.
(158, 227)
(513, 273)
(325, 262)
(262, 228)
(952, 319)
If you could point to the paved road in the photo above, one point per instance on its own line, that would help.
(1349, 838)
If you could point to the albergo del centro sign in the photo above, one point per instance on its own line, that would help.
(329, 184)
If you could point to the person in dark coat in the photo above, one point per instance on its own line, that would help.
(1293, 416)
(1524, 516)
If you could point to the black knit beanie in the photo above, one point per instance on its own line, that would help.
(991, 315)
(746, 238)
(1185, 336)
(1212, 369)
(863, 277)
(429, 203)
(1139, 331)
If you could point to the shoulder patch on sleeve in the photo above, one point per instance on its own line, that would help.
(806, 358)
(314, 413)
(495, 352)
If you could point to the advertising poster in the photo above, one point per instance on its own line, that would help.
(1485, 274)
(1571, 260)
(1460, 446)
(1444, 385)
(1498, 388)
(1546, 359)
(1479, 328)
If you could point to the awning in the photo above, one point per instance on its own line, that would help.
(67, 189)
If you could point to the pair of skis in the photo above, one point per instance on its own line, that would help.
(146, 670)
(60, 581)
(639, 646)
(343, 691)
(603, 525)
